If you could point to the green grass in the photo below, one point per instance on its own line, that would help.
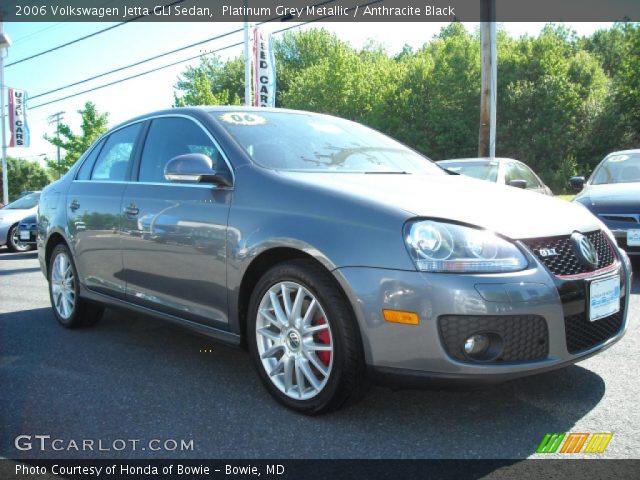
(568, 198)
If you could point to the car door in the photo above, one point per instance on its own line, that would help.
(174, 235)
(94, 211)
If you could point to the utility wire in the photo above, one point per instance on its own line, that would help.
(135, 64)
(44, 52)
(181, 61)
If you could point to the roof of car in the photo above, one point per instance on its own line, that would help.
(479, 159)
(210, 109)
(621, 152)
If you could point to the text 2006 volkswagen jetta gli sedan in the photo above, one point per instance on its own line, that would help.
(329, 250)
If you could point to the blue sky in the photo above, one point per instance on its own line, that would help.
(136, 41)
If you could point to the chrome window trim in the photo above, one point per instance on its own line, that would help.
(164, 115)
(166, 184)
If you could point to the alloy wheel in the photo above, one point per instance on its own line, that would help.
(294, 340)
(63, 286)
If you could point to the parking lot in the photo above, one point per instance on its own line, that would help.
(132, 377)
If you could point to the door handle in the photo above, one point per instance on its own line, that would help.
(74, 205)
(131, 210)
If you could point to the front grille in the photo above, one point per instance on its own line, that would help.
(566, 262)
(525, 337)
(621, 218)
(583, 334)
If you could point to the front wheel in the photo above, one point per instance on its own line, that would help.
(64, 291)
(304, 340)
(13, 241)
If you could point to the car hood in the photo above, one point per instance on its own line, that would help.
(509, 211)
(612, 198)
(11, 216)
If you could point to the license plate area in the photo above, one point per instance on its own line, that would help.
(633, 238)
(25, 235)
(604, 297)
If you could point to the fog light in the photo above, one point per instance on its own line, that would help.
(476, 345)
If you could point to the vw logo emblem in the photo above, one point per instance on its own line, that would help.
(584, 249)
(294, 340)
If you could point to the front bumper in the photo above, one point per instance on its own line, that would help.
(419, 351)
(28, 230)
(621, 238)
(619, 229)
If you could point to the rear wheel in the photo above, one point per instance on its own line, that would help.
(304, 340)
(13, 241)
(64, 291)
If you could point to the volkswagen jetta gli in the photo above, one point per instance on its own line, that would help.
(332, 252)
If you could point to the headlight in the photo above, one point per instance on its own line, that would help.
(446, 247)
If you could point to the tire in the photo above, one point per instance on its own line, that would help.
(13, 242)
(312, 361)
(64, 292)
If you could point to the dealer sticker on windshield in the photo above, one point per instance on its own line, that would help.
(604, 298)
(633, 238)
(243, 118)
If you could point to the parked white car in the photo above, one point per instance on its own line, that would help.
(10, 217)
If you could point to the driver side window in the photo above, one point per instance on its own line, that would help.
(169, 137)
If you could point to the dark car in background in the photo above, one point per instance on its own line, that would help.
(612, 193)
(503, 171)
(28, 231)
(332, 252)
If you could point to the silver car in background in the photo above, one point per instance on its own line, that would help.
(332, 252)
(10, 217)
(503, 171)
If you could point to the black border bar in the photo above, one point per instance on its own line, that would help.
(303, 10)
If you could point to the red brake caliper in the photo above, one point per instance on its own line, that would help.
(323, 337)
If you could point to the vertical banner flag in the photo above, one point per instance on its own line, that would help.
(264, 70)
(18, 127)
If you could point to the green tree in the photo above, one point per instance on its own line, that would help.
(213, 82)
(550, 96)
(563, 102)
(24, 175)
(93, 125)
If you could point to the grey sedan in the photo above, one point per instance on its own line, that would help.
(333, 253)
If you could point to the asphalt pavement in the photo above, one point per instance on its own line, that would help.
(135, 378)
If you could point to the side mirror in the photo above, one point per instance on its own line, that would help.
(517, 183)
(577, 183)
(195, 168)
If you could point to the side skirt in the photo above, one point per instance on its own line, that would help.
(222, 336)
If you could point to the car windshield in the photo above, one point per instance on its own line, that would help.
(619, 168)
(482, 170)
(24, 203)
(318, 143)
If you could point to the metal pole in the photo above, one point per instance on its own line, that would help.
(494, 88)
(5, 177)
(247, 62)
(486, 137)
(57, 117)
